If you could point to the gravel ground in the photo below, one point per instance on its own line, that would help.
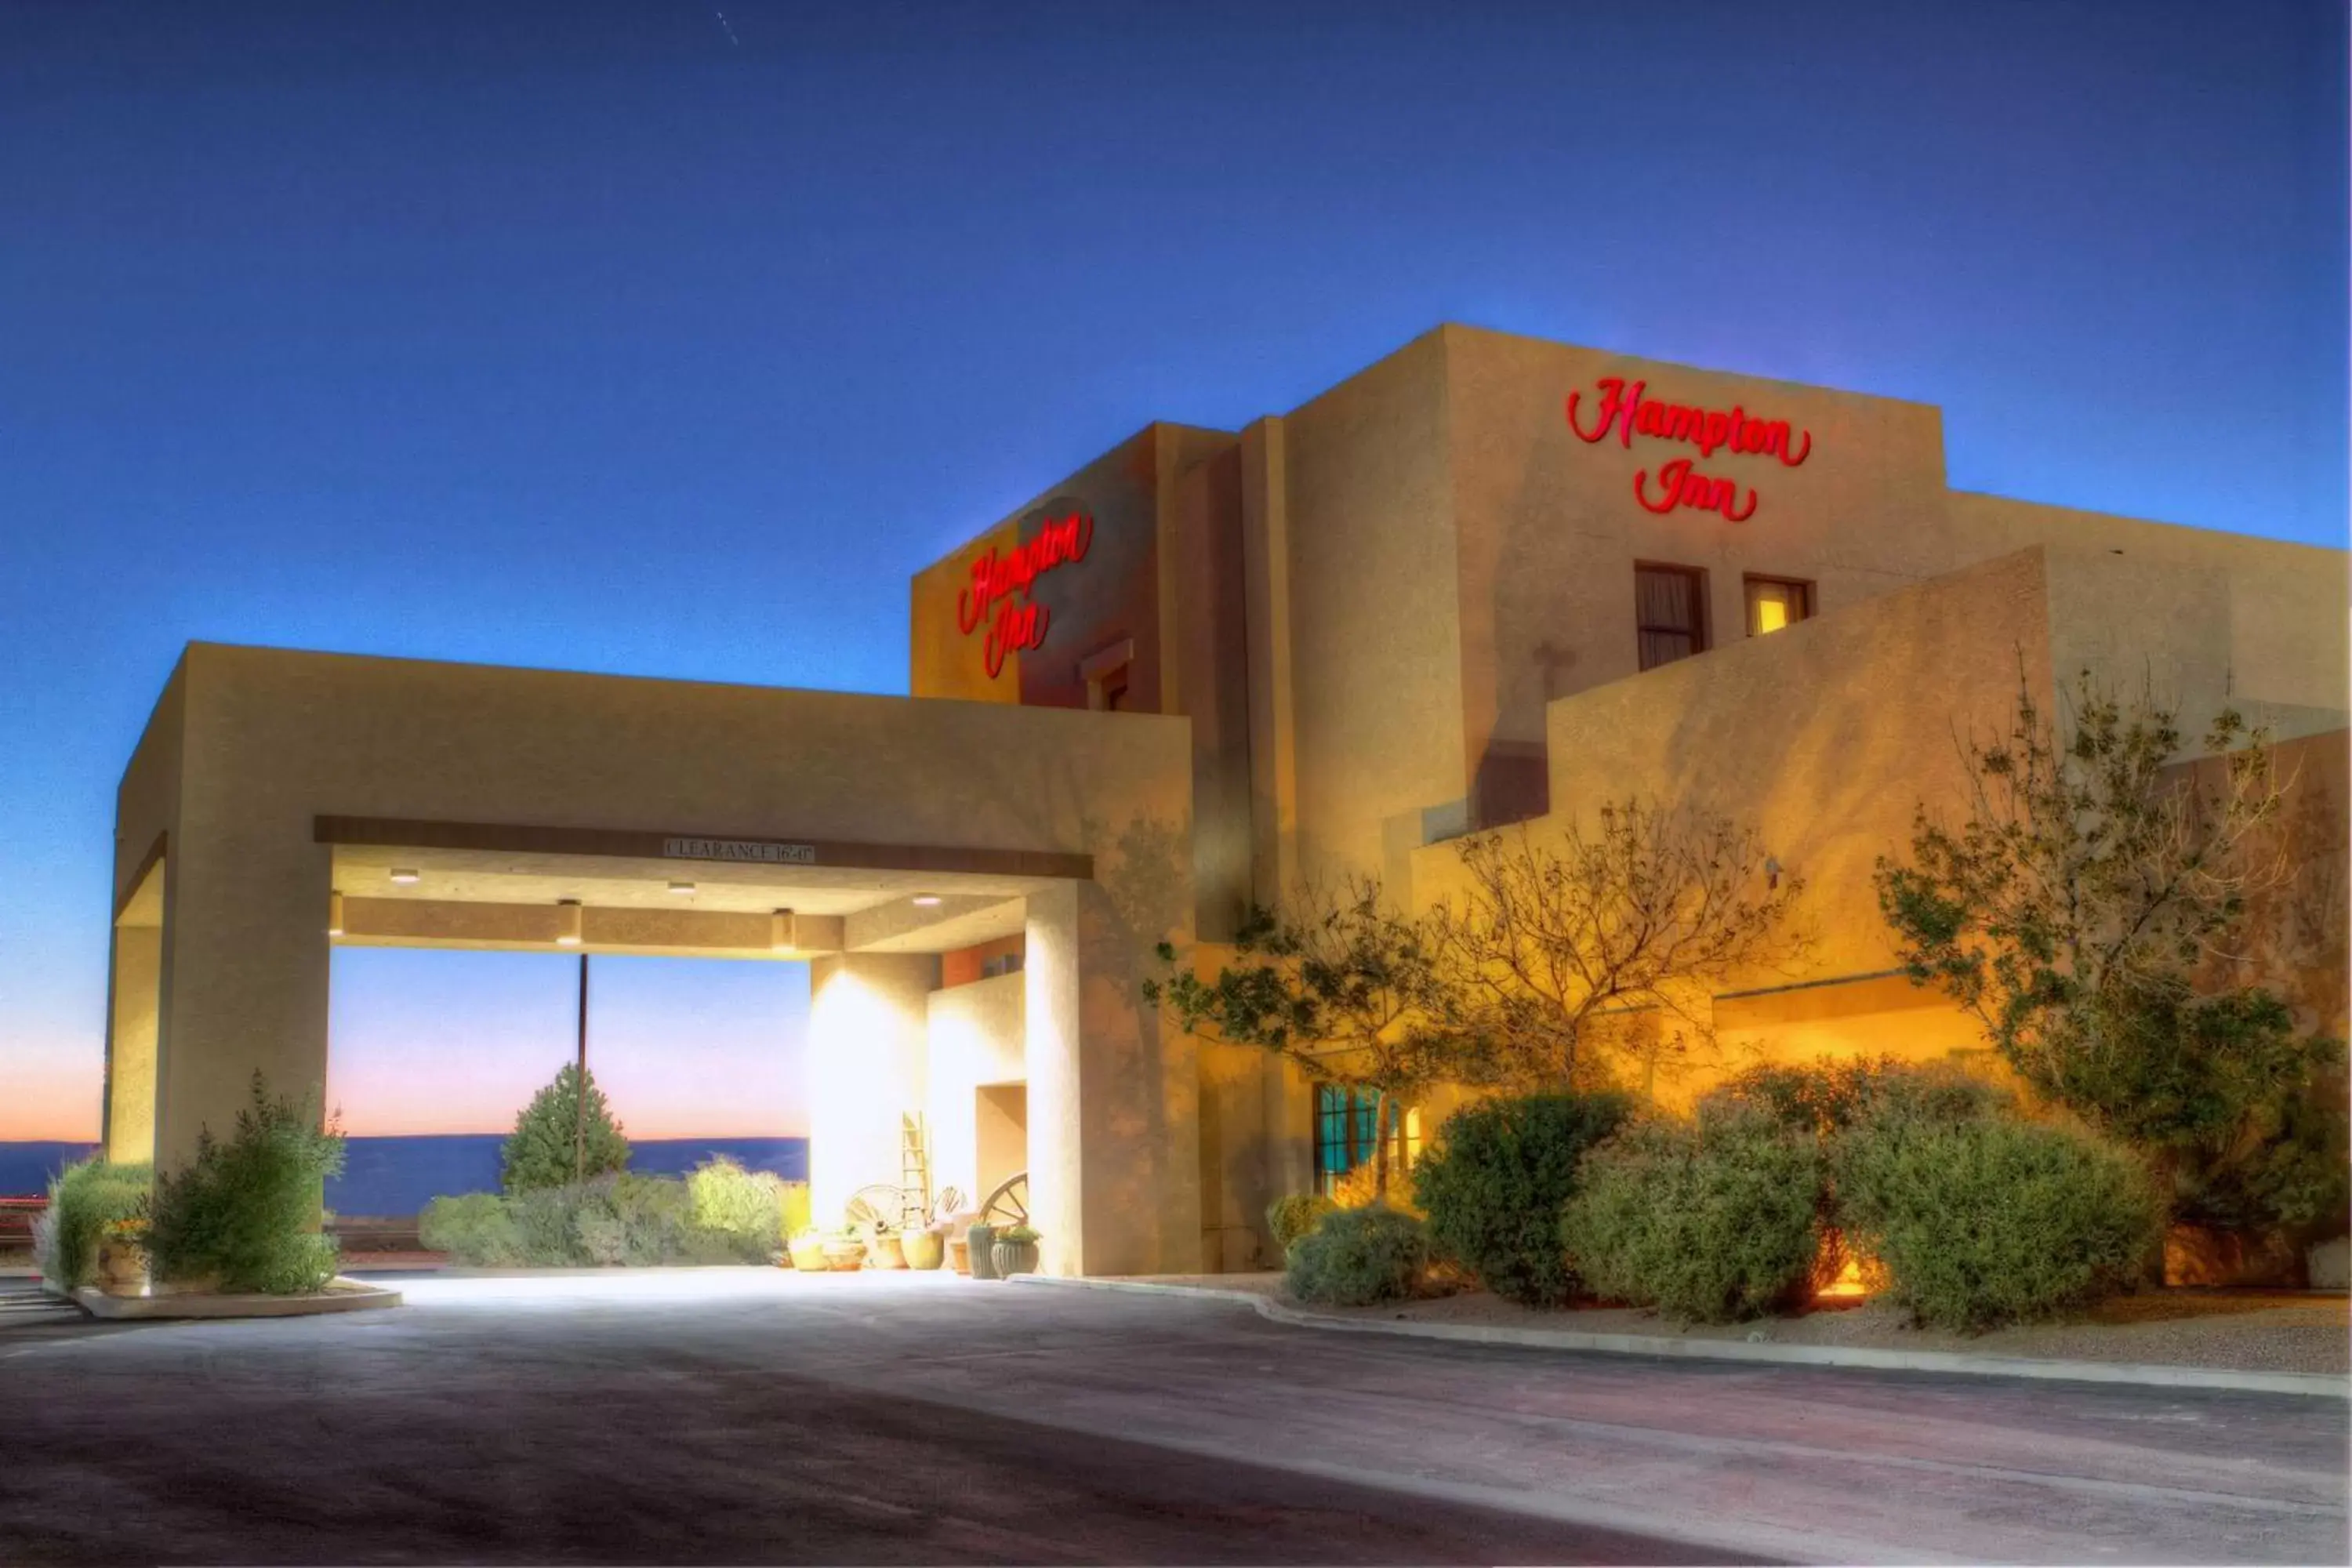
(2245, 1331)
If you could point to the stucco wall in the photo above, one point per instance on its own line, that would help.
(977, 1037)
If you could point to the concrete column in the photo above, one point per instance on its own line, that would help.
(869, 1023)
(1114, 1126)
(244, 979)
(135, 990)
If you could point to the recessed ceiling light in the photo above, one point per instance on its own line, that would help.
(567, 933)
(402, 875)
(683, 890)
(927, 900)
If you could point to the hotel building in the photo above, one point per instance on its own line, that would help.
(1488, 580)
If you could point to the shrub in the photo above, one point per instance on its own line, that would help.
(793, 1208)
(85, 1197)
(1494, 1184)
(540, 1152)
(1710, 1221)
(476, 1229)
(244, 1214)
(1829, 1095)
(745, 1208)
(1295, 1214)
(1359, 1258)
(1995, 1221)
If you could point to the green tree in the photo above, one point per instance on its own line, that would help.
(1345, 988)
(540, 1152)
(2087, 913)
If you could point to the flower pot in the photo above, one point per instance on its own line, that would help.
(841, 1257)
(960, 1255)
(809, 1256)
(1007, 1258)
(886, 1253)
(979, 1239)
(121, 1268)
(923, 1249)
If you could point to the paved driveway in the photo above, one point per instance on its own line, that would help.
(758, 1416)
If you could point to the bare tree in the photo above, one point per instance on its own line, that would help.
(1343, 988)
(1590, 950)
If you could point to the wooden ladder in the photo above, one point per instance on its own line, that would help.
(915, 1168)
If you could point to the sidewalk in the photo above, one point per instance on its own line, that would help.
(2275, 1344)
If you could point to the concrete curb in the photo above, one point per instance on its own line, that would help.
(2310, 1385)
(353, 1297)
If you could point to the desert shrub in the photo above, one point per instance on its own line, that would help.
(745, 1207)
(244, 1213)
(1981, 1223)
(1828, 1096)
(476, 1229)
(1495, 1182)
(540, 1152)
(85, 1197)
(1358, 1257)
(1711, 1220)
(1293, 1215)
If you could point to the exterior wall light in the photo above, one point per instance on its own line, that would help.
(335, 914)
(403, 875)
(780, 932)
(683, 890)
(927, 900)
(567, 930)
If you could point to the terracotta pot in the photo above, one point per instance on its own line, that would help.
(841, 1257)
(885, 1253)
(1011, 1257)
(809, 1256)
(960, 1255)
(923, 1249)
(121, 1268)
(979, 1239)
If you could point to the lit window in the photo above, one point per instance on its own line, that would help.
(1670, 612)
(1777, 602)
(1347, 1129)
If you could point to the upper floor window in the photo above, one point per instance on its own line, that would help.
(1777, 602)
(1669, 612)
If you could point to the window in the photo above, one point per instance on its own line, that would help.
(1346, 1125)
(1777, 602)
(1670, 612)
(1106, 675)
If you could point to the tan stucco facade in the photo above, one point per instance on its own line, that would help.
(1330, 643)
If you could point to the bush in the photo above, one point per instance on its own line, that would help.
(1359, 1258)
(1710, 1221)
(1295, 1214)
(614, 1221)
(1495, 1184)
(1830, 1095)
(793, 1208)
(1989, 1222)
(84, 1199)
(244, 1214)
(540, 1152)
(745, 1207)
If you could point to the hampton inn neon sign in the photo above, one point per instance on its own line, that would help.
(998, 595)
(1626, 412)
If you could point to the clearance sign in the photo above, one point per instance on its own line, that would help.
(998, 595)
(1624, 413)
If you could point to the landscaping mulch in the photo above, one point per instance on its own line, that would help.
(2243, 1330)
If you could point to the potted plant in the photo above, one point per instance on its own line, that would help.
(807, 1251)
(925, 1249)
(882, 1249)
(843, 1252)
(978, 1240)
(1014, 1251)
(122, 1265)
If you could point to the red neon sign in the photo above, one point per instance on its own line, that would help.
(1004, 583)
(1628, 414)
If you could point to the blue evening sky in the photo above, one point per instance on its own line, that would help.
(651, 336)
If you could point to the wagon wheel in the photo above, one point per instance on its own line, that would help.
(873, 1208)
(1009, 1204)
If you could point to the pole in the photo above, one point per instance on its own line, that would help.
(580, 1085)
